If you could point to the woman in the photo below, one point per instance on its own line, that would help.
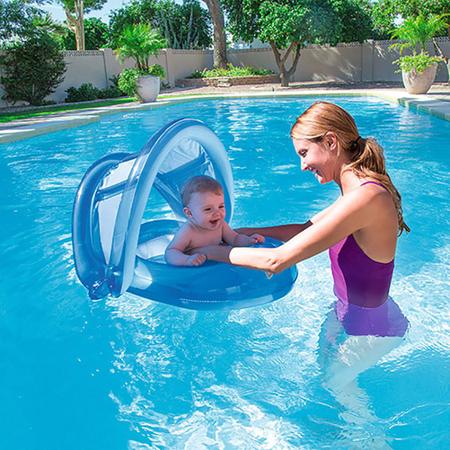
(360, 229)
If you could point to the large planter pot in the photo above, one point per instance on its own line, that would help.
(419, 83)
(147, 88)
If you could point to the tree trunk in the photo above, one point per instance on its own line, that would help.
(220, 42)
(75, 23)
(285, 74)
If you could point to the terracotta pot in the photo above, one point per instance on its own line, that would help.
(419, 83)
(147, 87)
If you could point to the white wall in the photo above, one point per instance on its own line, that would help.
(371, 61)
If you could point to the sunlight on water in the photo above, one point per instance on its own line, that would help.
(132, 373)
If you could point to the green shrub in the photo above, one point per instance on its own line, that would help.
(157, 71)
(32, 69)
(110, 92)
(230, 71)
(128, 77)
(84, 93)
(419, 62)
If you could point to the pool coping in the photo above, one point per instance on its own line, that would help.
(27, 128)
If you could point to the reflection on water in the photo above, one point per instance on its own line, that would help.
(130, 373)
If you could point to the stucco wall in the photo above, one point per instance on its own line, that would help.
(371, 61)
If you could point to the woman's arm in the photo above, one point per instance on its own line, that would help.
(280, 232)
(350, 213)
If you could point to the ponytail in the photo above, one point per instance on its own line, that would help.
(368, 162)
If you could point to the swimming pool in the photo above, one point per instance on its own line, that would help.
(130, 373)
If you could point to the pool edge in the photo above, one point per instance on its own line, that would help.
(15, 131)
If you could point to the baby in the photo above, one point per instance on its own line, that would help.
(204, 208)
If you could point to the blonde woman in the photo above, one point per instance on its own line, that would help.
(360, 231)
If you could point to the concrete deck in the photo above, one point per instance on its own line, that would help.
(436, 102)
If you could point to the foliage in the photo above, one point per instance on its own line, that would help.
(96, 35)
(419, 62)
(110, 92)
(88, 92)
(418, 31)
(88, 5)
(183, 26)
(84, 93)
(139, 42)
(75, 10)
(128, 77)
(157, 71)
(285, 24)
(356, 18)
(32, 69)
(385, 12)
(230, 71)
(20, 20)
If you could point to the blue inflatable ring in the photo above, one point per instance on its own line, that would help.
(115, 252)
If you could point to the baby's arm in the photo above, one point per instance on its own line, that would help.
(175, 250)
(235, 239)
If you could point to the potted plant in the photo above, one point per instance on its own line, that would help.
(139, 42)
(418, 69)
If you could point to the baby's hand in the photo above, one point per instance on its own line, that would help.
(197, 259)
(257, 238)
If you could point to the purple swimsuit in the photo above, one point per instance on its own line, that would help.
(362, 288)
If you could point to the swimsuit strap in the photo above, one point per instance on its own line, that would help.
(374, 182)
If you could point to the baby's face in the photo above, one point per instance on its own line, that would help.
(206, 210)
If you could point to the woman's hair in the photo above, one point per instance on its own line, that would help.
(366, 155)
(201, 183)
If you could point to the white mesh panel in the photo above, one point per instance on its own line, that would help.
(107, 214)
(118, 175)
(185, 151)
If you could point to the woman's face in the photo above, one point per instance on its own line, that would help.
(317, 157)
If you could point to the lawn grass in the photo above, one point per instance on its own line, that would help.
(9, 117)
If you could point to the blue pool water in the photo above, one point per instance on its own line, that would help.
(130, 373)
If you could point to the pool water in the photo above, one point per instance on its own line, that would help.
(131, 373)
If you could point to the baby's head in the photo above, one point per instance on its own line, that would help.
(203, 202)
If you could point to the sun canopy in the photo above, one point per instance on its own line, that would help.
(113, 194)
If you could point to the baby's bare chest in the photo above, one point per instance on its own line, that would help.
(207, 237)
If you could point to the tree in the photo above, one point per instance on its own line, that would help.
(220, 41)
(385, 12)
(75, 10)
(140, 42)
(183, 26)
(96, 35)
(284, 24)
(17, 20)
(356, 17)
(32, 69)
